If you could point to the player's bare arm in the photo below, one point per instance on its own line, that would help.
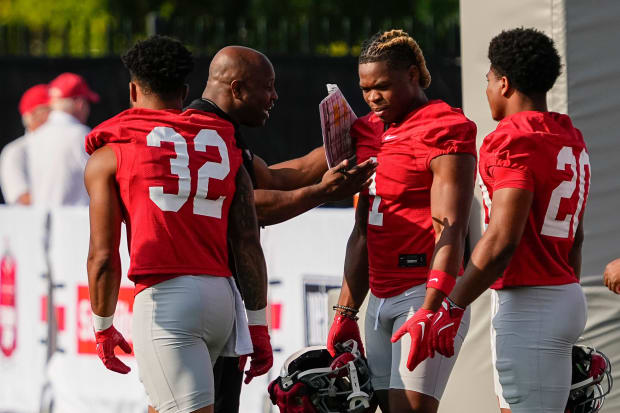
(574, 256)
(511, 207)
(104, 264)
(451, 198)
(243, 234)
(355, 281)
(292, 174)
(275, 206)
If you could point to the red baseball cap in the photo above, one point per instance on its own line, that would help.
(71, 85)
(33, 97)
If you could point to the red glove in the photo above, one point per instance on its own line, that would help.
(343, 328)
(293, 400)
(262, 357)
(106, 341)
(417, 326)
(445, 325)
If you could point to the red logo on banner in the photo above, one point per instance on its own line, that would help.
(8, 304)
(59, 312)
(275, 315)
(122, 319)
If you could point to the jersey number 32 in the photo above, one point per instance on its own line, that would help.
(179, 166)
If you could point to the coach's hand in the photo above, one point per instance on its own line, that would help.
(612, 276)
(343, 328)
(444, 328)
(262, 357)
(417, 326)
(107, 340)
(341, 181)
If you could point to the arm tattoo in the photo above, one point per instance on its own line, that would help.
(243, 235)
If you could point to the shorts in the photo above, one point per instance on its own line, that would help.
(387, 361)
(533, 330)
(179, 329)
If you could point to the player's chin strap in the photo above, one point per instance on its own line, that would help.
(358, 400)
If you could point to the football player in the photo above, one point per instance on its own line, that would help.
(176, 179)
(241, 89)
(535, 176)
(408, 240)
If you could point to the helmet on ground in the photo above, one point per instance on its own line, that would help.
(312, 381)
(591, 380)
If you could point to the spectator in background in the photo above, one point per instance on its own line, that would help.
(34, 109)
(612, 276)
(55, 152)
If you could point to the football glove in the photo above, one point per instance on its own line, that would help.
(418, 327)
(343, 328)
(262, 357)
(107, 340)
(443, 330)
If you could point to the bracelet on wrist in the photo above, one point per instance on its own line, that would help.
(347, 315)
(346, 308)
(348, 312)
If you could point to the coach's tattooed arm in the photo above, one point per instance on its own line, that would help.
(243, 236)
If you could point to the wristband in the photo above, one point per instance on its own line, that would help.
(102, 323)
(441, 280)
(257, 317)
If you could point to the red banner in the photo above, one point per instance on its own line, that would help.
(122, 319)
(8, 304)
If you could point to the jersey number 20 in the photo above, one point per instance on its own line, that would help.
(552, 226)
(179, 166)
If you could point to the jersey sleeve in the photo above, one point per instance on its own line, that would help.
(511, 163)
(450, 135)
(107, 132)
(366, 136)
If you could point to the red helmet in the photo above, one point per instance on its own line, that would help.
(312, 381)
(591, 380)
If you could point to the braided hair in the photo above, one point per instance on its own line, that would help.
(398, 50)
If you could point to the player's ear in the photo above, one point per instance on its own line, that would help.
(133, 92)
(505, 87)
(236, 87)
(414, 75)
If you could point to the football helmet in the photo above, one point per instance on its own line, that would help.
(591, 380)
(312, 381)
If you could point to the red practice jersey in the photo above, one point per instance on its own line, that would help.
(540, 152)
(400, 234)
(176, 177)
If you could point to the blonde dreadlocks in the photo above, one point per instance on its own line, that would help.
(399, 50)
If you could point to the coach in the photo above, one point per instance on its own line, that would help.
(241, 88)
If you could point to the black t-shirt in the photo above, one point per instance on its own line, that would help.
(205, 105)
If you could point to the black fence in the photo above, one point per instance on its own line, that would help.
(205, 34)
(294, 126)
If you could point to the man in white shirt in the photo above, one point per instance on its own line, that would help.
(56, 154)
(34, 109)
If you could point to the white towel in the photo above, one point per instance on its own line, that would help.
(239, 342)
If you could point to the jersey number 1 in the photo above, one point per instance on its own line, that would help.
(552, 226)
(179, 166)
(374, 216)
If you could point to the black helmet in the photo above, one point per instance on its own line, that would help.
(591, 380)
